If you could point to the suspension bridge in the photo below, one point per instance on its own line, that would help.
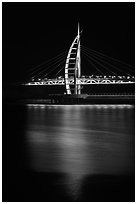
(65, 70)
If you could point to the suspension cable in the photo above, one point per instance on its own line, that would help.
(99, 53)
(53, 69)
(39, 69)
(59, 71)
(107, 63)
(49, 60)
(92, 64)
(99, 63)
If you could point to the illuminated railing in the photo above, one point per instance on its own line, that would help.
(86, 80)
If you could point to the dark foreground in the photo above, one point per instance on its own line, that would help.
(50, 187)
(68, 153)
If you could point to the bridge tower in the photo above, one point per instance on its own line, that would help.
(73, 66)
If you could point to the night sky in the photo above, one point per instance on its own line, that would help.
(35, 32)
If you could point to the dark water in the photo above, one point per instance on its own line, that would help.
(68, 152)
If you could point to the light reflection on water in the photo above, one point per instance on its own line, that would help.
(80, 140)
(41, 106)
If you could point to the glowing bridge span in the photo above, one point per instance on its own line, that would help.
(85, 81)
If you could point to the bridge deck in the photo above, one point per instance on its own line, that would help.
(85, 81)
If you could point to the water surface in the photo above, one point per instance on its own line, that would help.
(73, 152)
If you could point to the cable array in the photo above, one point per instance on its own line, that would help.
(47, 67)
(100, 63)
(112, 65)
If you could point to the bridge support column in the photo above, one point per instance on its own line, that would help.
(73, 57)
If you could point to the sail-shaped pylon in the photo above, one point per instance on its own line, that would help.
(73, 66)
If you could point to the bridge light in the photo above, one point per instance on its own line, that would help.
(119, 77)
(60, 77)
(128, 77)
